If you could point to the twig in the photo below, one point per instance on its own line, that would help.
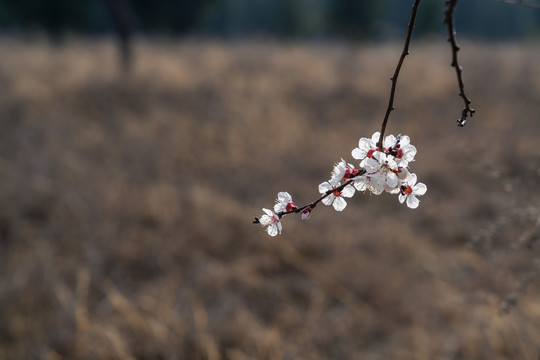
(314, 203)
(396, 73)
(449, 21)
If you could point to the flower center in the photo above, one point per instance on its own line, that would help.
(290, 206)
(406, 190)
(349, 173)
(337, 193)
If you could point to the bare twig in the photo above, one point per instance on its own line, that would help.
(396, 73)
(449, 21)
(532, 4)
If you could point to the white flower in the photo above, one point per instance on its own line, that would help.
(387, 169)
(284, 203)
(343, 171)
(336, 198)
(410, 190)
(366, 147)
(272, 220)
(374, 183)
(405, 153)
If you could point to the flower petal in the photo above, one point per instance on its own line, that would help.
(358, 154)
(328, 200)
(324, 187)
(361, 183)
(339, 203)
(419, 189)
(348, 191)
(272, 230)
(391, 179)
(404, 141)
(389, 141)
(412, 202)
(284, 197)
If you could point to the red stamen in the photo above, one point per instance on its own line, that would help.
(290, 207)
(406, 190)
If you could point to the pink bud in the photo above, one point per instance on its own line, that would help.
(306, 213)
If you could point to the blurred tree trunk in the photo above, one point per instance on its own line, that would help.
(122, 18)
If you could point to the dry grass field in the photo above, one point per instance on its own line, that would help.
(126, 203)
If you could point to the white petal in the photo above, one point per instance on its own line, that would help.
(348, 191)
(409, 152)
(379, 156)
(361, 183)
(419, 189)
(280, 227)
(358, 154)
(375, 137)
(366, 144)
(268, 212)
(391, 162)
(339, 203)
(265, 220)
(284, 197)
(391, 179)
(328, 200)
(371, 165)
(389, 141)
(333, 183)
(402, 198)
(324, 187)
(404, 141)
(412, 201)
(411, 180)
(403, 174)
(272, 230)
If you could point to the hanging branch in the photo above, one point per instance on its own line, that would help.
(449, 21)
(396, 73)
(384, 167)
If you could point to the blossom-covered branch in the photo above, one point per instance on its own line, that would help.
(379, 171)
(384, 167)
(449, 21)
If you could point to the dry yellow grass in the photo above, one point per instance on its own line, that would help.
(126, 204)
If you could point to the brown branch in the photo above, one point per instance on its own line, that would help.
(396, 73)
(449, 21)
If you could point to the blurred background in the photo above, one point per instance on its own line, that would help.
(139, 139)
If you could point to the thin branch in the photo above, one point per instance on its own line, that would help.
(312, 204)
(522, 3)
(396, 73)
(449, 21)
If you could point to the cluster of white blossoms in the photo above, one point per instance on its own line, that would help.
(378, 172)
